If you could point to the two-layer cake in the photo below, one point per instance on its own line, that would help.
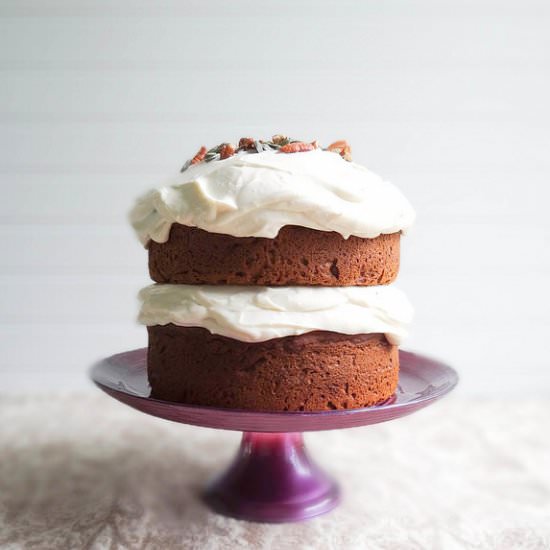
(272, 262)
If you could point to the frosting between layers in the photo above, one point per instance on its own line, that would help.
(256, 314)
(255, 195)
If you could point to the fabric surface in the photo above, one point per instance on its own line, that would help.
(83, 471)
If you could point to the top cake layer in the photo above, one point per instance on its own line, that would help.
(255, 195)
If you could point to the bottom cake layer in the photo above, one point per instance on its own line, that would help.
(310, 372)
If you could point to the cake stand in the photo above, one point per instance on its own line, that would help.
(272, 478)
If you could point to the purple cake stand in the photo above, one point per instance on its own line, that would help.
(272, 478)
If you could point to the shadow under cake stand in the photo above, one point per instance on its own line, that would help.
(272, 478)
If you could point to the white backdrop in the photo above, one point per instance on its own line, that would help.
(449, 100)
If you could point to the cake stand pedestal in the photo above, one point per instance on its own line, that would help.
(272, 478)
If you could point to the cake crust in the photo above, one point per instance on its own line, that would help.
(311, 372)
(297, 256)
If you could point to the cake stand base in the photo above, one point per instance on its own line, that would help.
(272, 479)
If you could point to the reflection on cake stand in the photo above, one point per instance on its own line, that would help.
(272, 478)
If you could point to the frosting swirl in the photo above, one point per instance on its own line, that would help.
(256, 195)
(255, 313)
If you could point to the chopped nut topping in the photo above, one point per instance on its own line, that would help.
(341, 147)
(279, 139)
(297, 147)
(279, 143)
(226, 150)
(246, 143)
(199, 156)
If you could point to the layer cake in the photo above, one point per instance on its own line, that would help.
(273, 262)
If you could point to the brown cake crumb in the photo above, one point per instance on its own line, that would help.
(311, 372)
(297, 256)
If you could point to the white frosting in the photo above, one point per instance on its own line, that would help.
(255, 313)
(254, 195)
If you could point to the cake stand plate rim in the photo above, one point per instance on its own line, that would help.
(123, 376)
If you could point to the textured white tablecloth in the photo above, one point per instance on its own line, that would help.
(84, 471)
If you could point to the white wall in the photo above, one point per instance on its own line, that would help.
(101, 100)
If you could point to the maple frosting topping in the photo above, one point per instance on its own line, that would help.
(255, 195)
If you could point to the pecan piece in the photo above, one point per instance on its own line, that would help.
(280, 139)
(246, 143)
(341, 147)
(226, 150)
(297, 147)
(199, 157)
